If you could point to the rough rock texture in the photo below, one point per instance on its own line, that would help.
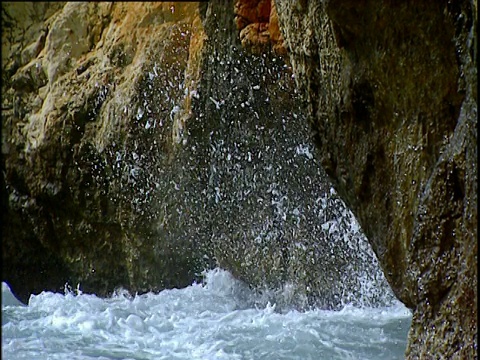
(141, 144)
(89, 97)
(257, 21)
(392, 92)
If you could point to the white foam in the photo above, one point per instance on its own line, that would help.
(8, 299)
(212, 320)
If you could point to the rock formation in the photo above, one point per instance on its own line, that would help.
(135, 138)
(91, 92)
(143, 143)
(392, 93)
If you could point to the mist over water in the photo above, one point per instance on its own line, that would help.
(220, 318)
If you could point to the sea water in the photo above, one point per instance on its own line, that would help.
(219, 318)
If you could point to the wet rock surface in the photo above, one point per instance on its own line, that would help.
(391, 91)
(87, 123)
(274, 221)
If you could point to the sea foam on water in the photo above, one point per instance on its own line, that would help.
(220, 318)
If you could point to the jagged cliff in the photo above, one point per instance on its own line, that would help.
(392, 92)
(141, 142)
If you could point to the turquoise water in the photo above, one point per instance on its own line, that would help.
(218, 319)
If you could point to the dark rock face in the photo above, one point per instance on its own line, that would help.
(273, 219)
(392, 93)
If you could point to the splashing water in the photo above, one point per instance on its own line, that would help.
(220, 318)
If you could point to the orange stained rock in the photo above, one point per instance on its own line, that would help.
(257, 22)
(274, 30)
(251, 11)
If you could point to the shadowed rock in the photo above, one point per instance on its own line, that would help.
(392, 93)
